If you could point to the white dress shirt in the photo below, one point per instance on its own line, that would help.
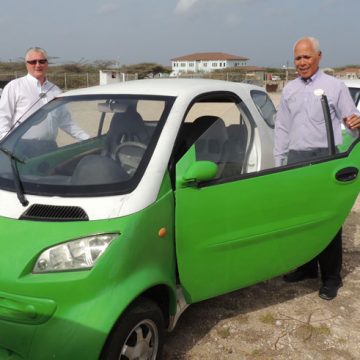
(22, 97)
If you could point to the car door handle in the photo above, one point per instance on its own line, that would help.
(347, 174)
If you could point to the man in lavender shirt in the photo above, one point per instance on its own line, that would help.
(300, 135)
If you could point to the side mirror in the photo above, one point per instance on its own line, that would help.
(200, 171)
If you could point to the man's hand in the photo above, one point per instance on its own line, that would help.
(352, 122)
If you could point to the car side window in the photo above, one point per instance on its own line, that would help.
(355, 94)
(265, 106)
(220, 131)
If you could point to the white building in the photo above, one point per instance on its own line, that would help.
(111, 76)
(206, 62)
(348, 73)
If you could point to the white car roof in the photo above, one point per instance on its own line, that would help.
(354, 83)
(166, 87)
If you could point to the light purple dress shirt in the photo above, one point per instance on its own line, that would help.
(300, 123)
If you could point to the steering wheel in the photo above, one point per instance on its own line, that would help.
(130, 154)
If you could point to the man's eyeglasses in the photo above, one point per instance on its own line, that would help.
(33, 62)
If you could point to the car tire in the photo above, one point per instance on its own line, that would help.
(138, 334)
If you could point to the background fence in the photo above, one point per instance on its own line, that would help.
(64, 81)
(67, 81)
(262, 79)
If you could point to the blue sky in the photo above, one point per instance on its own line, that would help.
(134, 31)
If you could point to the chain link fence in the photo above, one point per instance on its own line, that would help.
(64, 81)
(74, 81)
(273, 82)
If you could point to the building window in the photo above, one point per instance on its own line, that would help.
(205, 64)
(214, 64)
(191, 64)
(182, 64)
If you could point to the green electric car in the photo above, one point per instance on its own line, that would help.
(172, 197)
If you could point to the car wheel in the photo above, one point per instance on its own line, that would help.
(138, 335)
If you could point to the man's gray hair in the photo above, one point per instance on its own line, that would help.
(315, 43)
(35, 49)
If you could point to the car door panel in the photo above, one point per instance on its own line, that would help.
(233, 234)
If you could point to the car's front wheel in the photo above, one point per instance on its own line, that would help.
(138, 335)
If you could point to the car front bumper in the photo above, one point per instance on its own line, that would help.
(42, 329)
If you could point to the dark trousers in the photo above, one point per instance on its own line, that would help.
(330, 259)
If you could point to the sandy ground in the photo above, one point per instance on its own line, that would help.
(274, 320)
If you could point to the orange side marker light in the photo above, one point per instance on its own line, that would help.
(162, 232)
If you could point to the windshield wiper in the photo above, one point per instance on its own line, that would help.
(11, 155)
(14, 160)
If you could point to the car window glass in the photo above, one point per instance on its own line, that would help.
(349, 137)
(87, 144)
(265, 106)
(355, 94)
(223, 133)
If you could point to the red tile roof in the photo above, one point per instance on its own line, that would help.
(349, 70)
(209, 56)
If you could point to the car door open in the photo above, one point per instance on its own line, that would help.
(244, 227)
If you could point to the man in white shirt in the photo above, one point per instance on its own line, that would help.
(23, 96)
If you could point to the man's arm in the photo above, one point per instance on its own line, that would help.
(7, 109)
(348, 111)
(281, 133)
(70, 127)
(352, 122)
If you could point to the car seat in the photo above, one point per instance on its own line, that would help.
(125, 126)
(212, 137)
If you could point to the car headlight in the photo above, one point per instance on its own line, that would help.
(73, 255)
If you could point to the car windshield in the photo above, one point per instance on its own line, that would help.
(83, 146)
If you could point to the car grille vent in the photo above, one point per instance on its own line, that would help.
(54, 213)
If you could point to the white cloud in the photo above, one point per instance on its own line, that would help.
(183, 6)
(108, 8)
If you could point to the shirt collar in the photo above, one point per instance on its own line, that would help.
(310, 79)
(36, 81)
(306, 81)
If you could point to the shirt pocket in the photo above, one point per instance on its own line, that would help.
(315, 110)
